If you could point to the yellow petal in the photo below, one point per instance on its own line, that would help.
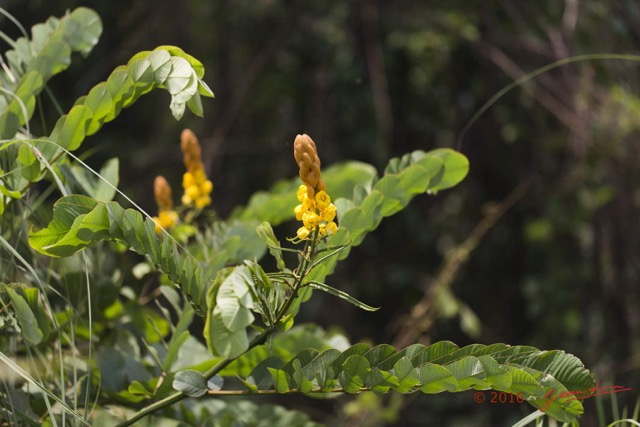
(322, 199)
(302, 233)
(193, 191)
(206, 187)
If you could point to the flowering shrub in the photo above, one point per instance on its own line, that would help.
(129, 361)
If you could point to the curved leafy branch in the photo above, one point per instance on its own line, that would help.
(165, 67)
(79, 221)
(33, 63)
(548, 380)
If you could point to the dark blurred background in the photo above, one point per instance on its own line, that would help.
(551, 205)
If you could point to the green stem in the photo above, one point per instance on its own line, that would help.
(305, 266)
(178, 396)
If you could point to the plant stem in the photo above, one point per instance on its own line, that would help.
(305, 266)
(178, 396)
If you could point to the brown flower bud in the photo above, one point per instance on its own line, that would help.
(162, 194)
(306, 155)
(191, 149)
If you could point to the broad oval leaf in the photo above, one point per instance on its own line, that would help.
(192, 383)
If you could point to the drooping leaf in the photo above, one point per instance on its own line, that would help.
(26, 318)
(340, 294)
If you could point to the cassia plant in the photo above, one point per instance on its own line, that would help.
(211, 270)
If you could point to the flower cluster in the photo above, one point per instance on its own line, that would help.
(315, 209)
(197, 188)
(167, 217)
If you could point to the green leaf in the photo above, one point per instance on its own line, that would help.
(456, 167)
(192, 383)
(302, 383)
(75, 127)
(435, 379)
(280, 379)
(266, 233)
(65, 212)
(407, 375)
(137, 388)
(342, 295)
(215, 383)
(26, 318)
(355, 372)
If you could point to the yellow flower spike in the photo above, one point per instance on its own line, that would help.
(322, 200)
(315, 209)
(197, 188)
(302, 233)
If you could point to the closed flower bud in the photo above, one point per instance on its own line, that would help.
(162, 193)
(190, 147)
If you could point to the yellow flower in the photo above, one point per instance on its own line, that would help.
(186, 200)
(322, 199)
(188, 180)
(329, 213)
(302, 193)
(165, 219)
(199, 175)
(206, 187)
(308, 204)
(203, 201)
(331, 228)
(298, 210)
(310, 220)
(192, 191)
(302, 233)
